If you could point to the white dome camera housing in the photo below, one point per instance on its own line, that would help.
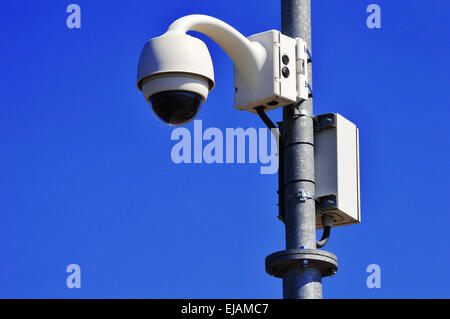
(175, 73)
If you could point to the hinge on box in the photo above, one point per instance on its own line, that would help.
(308, 85)
(302, 58)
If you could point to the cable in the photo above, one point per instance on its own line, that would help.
(271, 125)
(325, 236)
(264, 117)
(327, 222)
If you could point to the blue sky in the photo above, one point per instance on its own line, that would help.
(86, 175)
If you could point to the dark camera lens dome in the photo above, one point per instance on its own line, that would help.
(176, 107)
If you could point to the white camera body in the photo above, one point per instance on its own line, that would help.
(281, 80)
(175, 71)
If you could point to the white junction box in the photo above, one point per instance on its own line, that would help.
(277, 79)
(337, 169)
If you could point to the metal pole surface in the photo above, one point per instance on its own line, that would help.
(304, 282)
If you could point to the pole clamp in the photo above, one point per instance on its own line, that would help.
(298, 112)
(303, 195)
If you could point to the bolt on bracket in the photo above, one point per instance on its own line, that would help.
(325, 203)
(325, 121)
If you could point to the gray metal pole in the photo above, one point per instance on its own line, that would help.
(304, 282)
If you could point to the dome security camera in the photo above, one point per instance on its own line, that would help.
(176, 73)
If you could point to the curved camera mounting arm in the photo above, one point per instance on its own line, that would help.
(267, 69)
(247, 56)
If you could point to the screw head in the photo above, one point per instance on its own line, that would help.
(285, 59)
(285, 71)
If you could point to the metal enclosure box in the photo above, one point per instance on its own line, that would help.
(273, 89)
(337, 169)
